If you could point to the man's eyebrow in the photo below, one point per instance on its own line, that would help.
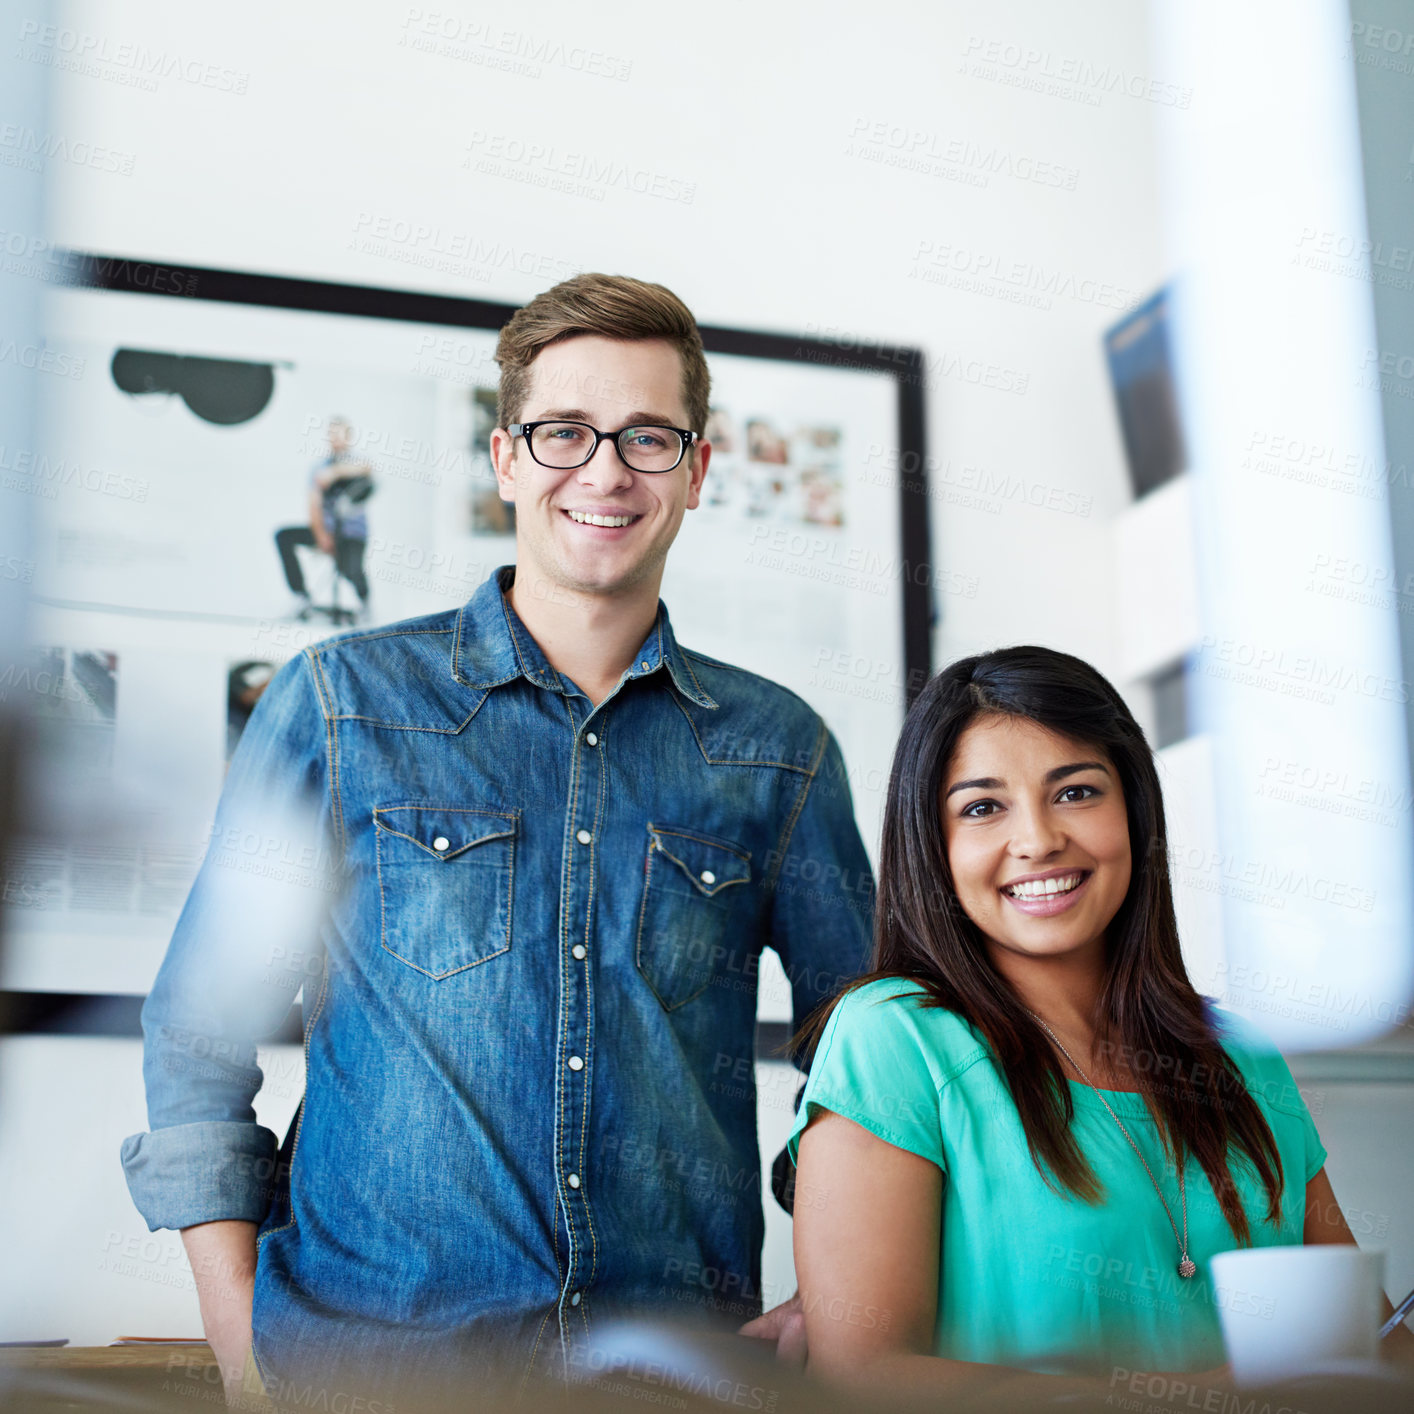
(579, 415)
(1058, 773)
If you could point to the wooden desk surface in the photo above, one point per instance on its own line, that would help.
(104, 1357)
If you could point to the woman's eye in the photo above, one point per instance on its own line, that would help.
(979, 809)
(1068, 794)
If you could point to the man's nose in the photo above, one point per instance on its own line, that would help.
(605, 470)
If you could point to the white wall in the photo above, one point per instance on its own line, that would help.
(760, 114)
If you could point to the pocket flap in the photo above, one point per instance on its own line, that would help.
(711, 864)
(444, 831)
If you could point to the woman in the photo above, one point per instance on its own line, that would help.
(986, 1146)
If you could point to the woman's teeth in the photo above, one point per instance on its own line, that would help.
(1044, 888)
(584, 519)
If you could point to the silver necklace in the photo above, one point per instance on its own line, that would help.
(1186, 1265)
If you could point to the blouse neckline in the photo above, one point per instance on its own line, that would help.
(1127, 1102)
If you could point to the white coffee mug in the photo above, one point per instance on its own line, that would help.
(1288, 1311)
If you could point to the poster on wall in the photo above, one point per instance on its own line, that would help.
(231, 474)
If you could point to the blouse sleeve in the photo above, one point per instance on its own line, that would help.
(1270, 1082)
(873, 1067)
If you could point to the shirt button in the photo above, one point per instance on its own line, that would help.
(573, 1180)
(590, 739)
(579, 952)
(644, 665)
(441, 843)
(575, 1063)
(583, 836)
(574, 1300)
(708, 877)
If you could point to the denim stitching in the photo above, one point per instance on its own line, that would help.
(725, 761)
(821, 739)
(408, 727)
(512, 815)
(712, 889)
(711, 703)
(638, 956)
(331, 747)
(508, 835)
(589, 1012)
(566, 867)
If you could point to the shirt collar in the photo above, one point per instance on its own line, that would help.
(491, 646)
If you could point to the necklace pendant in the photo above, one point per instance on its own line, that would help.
(1187, 1267)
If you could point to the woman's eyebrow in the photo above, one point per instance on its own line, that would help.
(1060, 772)
(981, 783)
(1056, 774)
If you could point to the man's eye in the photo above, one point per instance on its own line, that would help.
(647, 440)
(1068, 792)
(565, 434)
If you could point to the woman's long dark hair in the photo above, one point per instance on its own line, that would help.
(1147, 1003)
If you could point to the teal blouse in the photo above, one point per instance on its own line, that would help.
(1034, 1278)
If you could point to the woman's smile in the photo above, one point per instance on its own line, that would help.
(1045, 895)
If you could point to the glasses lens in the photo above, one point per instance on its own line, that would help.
(651, 448)
(561, 443)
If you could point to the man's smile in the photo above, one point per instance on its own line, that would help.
(602, 520)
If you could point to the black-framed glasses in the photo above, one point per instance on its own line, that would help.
(565, 445)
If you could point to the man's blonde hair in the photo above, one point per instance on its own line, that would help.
(614, 307)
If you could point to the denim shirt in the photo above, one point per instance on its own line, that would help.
(528, 931)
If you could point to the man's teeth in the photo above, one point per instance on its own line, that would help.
(599, 520)
(1044, 888)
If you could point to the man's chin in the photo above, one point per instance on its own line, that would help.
(608, 570)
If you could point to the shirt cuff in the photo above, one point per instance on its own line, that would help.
(201, 1173)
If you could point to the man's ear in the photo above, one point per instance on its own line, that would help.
(697, 472)
(503, 451)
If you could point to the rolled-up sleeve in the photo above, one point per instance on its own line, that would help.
(249, 935)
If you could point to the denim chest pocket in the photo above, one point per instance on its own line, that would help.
(682, 923)
(446, 878)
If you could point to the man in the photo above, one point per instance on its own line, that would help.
(338, 525)
(552, 843)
